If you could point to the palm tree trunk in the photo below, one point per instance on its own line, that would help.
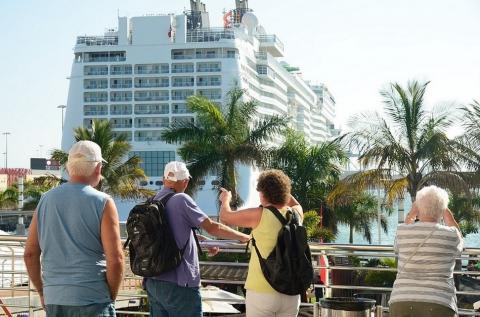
(233, 183)
(350, 240)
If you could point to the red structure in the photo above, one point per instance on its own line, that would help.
(14, 173)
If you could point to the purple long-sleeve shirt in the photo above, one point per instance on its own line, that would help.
(183, 215)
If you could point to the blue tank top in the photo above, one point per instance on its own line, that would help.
(73, 262)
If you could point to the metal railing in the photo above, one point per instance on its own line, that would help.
(270, 38)
(97, 40)
(18, 296)
(210, 35)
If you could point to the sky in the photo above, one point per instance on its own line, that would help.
(355, 47)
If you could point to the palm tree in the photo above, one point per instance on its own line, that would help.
(33, 190)
(406, 148)
(470, 140)
(223, 137)
(313, 170)
(9, 198)
(357, 210)
(466, 211)
(121, 174)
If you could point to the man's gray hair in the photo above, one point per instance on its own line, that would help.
(81, 168)
(432, 201)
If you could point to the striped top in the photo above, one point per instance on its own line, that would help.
(428, 276)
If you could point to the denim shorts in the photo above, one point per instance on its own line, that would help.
(168, 299)
(94, 310)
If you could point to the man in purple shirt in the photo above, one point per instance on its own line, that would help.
(176, 293)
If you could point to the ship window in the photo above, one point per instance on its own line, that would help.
(153, 162)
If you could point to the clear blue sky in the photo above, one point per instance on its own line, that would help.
(354, 46)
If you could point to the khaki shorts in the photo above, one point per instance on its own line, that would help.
(420, 309)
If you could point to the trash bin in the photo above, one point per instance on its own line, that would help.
(346, 307)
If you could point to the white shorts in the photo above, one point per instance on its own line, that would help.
(271, 304)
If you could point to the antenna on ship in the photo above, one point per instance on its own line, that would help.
(234, 17)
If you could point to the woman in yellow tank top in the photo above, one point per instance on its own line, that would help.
(274, 190)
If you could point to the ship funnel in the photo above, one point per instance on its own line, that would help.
(197, 17)
(198, 6)
(241, 4)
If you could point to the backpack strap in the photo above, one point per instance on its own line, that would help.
(163, 200)
(283, 221)
(277, 214)
(200, 251)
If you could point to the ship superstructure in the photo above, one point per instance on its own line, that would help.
(139, 76)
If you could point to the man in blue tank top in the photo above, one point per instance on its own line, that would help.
(176, 293)
(73, 253)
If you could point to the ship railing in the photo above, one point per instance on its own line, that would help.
(121, 112)
(184, 110)
(182, 70)
(210, 95)
(335, 262)
(97, 40)
(140, 111)
(261, 55)
(151, 98)
(153, 71)
(209, 83)
(95, 113)
(270, 38)
(184, 83)
(95, 99)
(208, 69)
(96, 73)
(120, 86)
(152, 85)
(210, 35)
(120, 98)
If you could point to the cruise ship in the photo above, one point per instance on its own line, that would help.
(140, 74)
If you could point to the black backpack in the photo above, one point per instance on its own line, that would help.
(288, 268)
(151, 243)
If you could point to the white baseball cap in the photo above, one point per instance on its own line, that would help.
(85, 151)
(178, 169)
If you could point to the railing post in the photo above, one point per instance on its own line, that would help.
(30, 306)
(379, 311)
(316, 310)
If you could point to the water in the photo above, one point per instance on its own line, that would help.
(471, 240)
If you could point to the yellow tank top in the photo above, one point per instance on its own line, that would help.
(265, 235)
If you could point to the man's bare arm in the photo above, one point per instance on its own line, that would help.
(112, 247)
(221, 231)
(32, 256)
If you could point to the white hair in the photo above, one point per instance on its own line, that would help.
(432, 201)
(81, 168)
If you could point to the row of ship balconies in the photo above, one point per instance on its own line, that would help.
(176, 54)
(150, 95)
(152, 82)
(152, 69)
(141, 123)
(140, 109)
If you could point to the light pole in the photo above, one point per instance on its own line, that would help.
(6, 134)
(62, 107)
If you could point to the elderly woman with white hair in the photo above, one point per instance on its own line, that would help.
(426, 251)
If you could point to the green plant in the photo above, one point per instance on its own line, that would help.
(315, 232)
(382, 278)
